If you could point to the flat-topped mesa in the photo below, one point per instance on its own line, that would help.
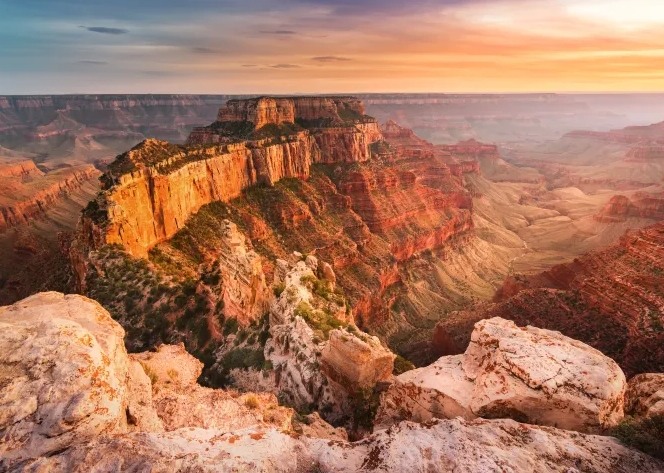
(263, 111)
(151, 191)
(342, 130)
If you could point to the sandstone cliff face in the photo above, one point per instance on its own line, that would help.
(268, 110)
(150, 204)
(356, 362)
(153, 189)
(22, 169)
(246, 295)
(260, 112)
(529, 374)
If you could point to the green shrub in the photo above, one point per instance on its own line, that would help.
(646, 435)
(231, 326)
(401, 365)
(278, 289)
(318, 320)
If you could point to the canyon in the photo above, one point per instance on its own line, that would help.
(296, 277)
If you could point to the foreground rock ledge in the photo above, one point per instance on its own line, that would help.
(439, 446)
(72, 400)
(527, 374)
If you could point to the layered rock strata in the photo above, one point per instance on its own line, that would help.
(528, 374)
(152, 190)
(27, 193)
(641, 205)
(611, 299)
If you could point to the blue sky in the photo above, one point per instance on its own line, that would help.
(289, 46)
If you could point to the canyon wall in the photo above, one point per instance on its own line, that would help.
(152, 190)
(151, 203)
(26, 193)
(611, 299)
(642, 205)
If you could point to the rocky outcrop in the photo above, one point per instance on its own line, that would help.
(645, 395)
(63, 369)
(245, 293)
(356, 361)
(528, 374)
(316, 364)
(263, 111)
(34, 193)
(179, 401)
(66, 379)
(446, 446)
(19, 168)
(641, 205)
(164, 184)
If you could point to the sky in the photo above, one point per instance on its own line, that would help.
(330, 46)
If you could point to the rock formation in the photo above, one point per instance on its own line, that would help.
(528, 374)
(645, 395)
(64, 369)
(316, 363)
(152, 190)
(245, 295)
(609, 298)
(26, 193)
(446, 446)
(66, 379)
(95, 408)
(642, 205)
(263, 111)
(356, 361)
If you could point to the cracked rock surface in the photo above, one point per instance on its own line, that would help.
(527, 374)
(63, 370)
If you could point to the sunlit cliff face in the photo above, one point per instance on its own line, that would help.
(331, 46)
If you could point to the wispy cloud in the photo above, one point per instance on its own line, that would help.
(105, 30)
(279, 32)
(201, 50)
(249, 65)
(330, 59)
(285, 66)
(93, 63)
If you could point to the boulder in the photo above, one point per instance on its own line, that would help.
(645, 395)
(356, 360)
(63, 374)
(527, 374)
(179, 401)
